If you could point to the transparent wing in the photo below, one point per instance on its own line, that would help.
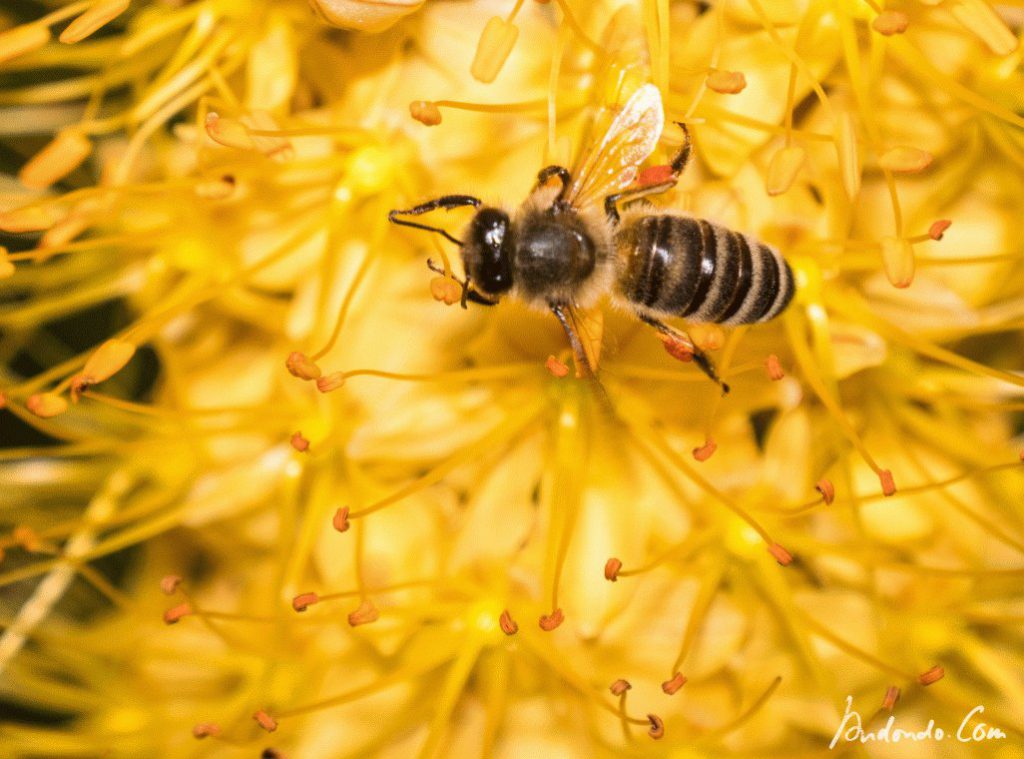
(611, 161)
(589, 328)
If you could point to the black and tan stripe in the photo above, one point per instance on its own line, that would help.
(707, 273)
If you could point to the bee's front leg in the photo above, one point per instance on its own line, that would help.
(554, 171)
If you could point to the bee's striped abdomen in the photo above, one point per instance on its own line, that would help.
(689, 267)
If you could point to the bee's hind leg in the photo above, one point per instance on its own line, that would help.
(652, 180)
(611, 203)
(700, 358)
(683, 156)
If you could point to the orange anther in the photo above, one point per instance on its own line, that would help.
(890, 23)
(205, 730)
(364, 615)
(425, 112)
(340, 519)
(611, 569)
(175, 613)
(888, 483)
(938, 228)
(619, 687)
(299, 365)
(657, 730)
(705, 451)
(299, 443)
(507, 624)
(726, 82)
(892, 695)
(330, 382)
(671, 686)
(304, 600)
(556, 367)
(774, 368)
(933, 675)
(446, 290)
(827, 490)
(265, 721)
(549, 622)
(784, 557)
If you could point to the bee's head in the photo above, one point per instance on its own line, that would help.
(487, 251)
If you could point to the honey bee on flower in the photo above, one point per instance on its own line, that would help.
(586, 233)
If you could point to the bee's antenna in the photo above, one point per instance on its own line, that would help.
(446, 202)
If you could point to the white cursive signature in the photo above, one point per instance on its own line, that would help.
(851, 729)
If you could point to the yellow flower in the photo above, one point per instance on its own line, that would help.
(269, 488)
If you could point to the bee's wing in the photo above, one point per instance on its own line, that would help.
(589, 329)
(611, 161)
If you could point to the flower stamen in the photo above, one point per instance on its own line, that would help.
(892, 695)
(507, 624)
(671, 687)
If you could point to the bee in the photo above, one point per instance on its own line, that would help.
(585, 233)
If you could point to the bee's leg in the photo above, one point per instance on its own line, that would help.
(700, 358)
(554, 171)
(446, 202)
(683, 156)
(629, 196)
(574, 340)
(474, 297)
(652, 180)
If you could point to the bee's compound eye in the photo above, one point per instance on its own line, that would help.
(489, 258)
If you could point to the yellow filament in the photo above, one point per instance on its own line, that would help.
(454, 683)
(383, 682)
(393, 588)
(346, 303)
(503, 433)
(624, 717)
(720, 114)
(708, 589)
(822, 631)
(501, 372)
(678, 551)
(100, 583)
(650, 441)
(515, 12)
(556, 664)
(814, 379)
(745, 716)
(523, 105)
(850, 304)
(577, 29)
(790, 104)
